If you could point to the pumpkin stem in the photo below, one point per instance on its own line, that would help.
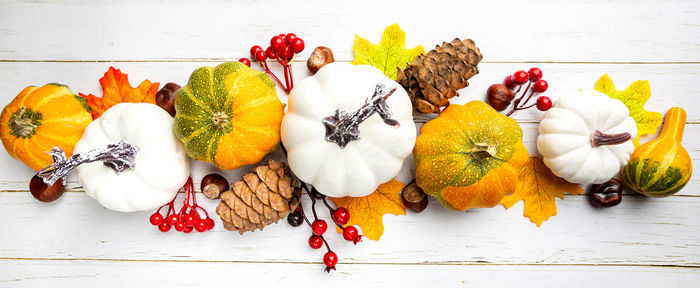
(24, 122)
(341, 127)
(483, 150)
(599, 138)
(119, 157)
(219, 119)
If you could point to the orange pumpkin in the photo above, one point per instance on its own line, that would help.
(41, 118)
(469, 156)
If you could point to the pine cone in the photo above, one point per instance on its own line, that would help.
(435, 77)
(263, 197)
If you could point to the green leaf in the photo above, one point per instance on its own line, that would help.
(390, 54)
(634, 97)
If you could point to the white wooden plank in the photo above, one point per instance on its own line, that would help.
(640, 231)
(188, 274)
(617, 31)
(672, 85)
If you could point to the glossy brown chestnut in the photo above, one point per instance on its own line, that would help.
(319, 58)
(213, 185)
(414, 198)
(165, 98)
(43, 192)
(499, 96)
(607, 194)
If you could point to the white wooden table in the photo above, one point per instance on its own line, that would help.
(74, 242)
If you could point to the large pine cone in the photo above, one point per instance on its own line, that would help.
(263, 197)
(432, 79)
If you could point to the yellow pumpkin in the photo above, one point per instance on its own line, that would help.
(469, 156)
(41, 118)
(662, 166)
(228, 115)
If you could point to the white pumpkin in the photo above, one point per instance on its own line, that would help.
(161, 166)
(586, 137)
(357, 169)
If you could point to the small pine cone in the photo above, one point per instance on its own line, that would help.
(263, 197)
(435, 77)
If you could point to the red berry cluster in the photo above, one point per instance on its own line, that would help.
(188, 218)
(535, 84)
(340, 216)
(283, 48)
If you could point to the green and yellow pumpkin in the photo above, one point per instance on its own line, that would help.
(661, 167)
(469, 156)
(41, 118)
(228, 115)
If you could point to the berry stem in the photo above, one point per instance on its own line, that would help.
(517, 100)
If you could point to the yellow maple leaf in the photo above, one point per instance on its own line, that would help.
(368, 211)
(389, 54)
(538, 187)
(634, 97)
(116, 89)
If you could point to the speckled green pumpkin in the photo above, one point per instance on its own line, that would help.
(228, 115)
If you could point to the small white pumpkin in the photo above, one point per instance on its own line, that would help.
(586, 137)
(349, 166)
(161, 166)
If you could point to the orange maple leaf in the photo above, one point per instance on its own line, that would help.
(116, 89)
(368, 211)
(538, 187)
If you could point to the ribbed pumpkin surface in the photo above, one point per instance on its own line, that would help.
(41, 118)
(228, 115)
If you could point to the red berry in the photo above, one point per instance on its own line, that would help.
(172, 220)
(277, 43)
(270, 52)
(179, 226)
(330, 259)
(286, 52)
(341, 216)
(509, 82)
(188, 229)
(201, 225)
(261, 55)
(254, 50)
(315, 241)
(520, 77)
(283, 36)
(297, 45)
(290, 37)
(190, 219)
(350, 233)
(544, 103)
(164, 227)
(540, 86)
(156, 219)
(245, 61)
(319, 227)
(210, 223)
(535, 74)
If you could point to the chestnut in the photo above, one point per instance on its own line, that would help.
(414, 198)
(44, 192)
(165, 98)
(213, 185)
(499, 96)
(319, 57)
(607, 194)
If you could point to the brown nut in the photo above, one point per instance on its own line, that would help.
(499, 96)
(607, 194)
(165, 98)
(319, 58)
(43, 192)
(414, 198)
(213, 185)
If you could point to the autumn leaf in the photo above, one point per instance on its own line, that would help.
(116, 89)
(368, 211)
(634, 97)
(538, 187)
(390, 54)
